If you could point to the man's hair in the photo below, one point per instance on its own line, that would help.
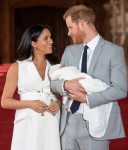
(80, 12)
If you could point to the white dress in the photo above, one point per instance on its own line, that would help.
(31, 130)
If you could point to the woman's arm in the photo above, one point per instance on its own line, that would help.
(7, 100)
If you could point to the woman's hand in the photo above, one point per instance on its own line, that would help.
(54, 107)
(38, 106)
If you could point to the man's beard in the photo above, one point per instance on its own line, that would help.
(78, 37)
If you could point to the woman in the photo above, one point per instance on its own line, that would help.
(36, 124)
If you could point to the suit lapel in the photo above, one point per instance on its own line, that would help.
(95, 56)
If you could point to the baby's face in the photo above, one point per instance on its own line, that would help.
(61, 66)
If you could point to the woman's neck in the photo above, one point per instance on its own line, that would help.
(39, 59)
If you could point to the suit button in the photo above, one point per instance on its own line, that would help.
(66, 109)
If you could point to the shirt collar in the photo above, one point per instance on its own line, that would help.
(92, 44)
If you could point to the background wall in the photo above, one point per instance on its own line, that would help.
(17, 15)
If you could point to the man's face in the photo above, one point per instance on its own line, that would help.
(74, 31)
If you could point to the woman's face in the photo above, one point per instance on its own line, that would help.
(44, 43)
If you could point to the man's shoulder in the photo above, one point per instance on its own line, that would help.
(110, 44)
(73, 46)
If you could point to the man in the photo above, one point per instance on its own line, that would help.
(102, 60)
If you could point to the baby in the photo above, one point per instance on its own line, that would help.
(58, 72)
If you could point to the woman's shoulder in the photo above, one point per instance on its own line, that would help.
(13, 66)
(13, 69)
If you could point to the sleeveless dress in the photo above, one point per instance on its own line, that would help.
(32, 131)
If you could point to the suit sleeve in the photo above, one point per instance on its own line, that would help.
(117, 73)
(57, 85)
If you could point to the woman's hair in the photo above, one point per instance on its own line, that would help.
(80, 12)
(25, 49)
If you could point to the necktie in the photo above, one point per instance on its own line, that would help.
(75, 105)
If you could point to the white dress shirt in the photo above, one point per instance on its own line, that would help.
(91, 47)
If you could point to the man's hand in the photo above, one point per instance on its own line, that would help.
(77, 96)
(73, 85)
